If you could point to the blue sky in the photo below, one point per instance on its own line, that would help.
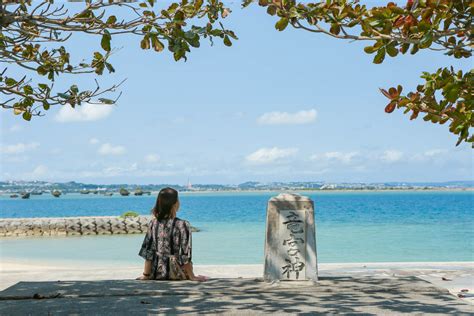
(276, 106)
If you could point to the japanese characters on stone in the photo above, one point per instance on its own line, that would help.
(292, 227)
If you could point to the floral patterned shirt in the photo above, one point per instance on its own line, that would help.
(157, 244)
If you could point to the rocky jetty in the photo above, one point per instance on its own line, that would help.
(124, 192)
(74, 226)
(56, 193)
(25, 195)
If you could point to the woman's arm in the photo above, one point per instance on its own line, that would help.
(185, 257)
(146, 252)
(188, 270)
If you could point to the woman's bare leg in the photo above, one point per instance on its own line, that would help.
(146, 271)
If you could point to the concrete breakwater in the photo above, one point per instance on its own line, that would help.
(74, 226)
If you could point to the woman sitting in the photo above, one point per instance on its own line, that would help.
(167, 244)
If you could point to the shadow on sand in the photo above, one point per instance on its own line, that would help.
(347, 295)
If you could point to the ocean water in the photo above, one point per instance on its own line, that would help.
(351, 227)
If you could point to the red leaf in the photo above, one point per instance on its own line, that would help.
(390, 107)
(385, 93)
(399, 21)
(393, 93)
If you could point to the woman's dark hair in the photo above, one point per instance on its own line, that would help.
(165, 201)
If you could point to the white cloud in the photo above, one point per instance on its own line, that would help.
(15, 128)
(40, 170)
(268, 155)
(430, 155)
(109, 149)
(345, 158)
(239, 115)
(434, 152)
(94, 141)
(151, 158)
(391, 156)
(116, 171)
(110, 171)
(38, 173)
(18, 148)
(85, 112)
(286, 118)
(179, 120)
(16, 158)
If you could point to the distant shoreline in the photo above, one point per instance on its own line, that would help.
(300, 191)
(328, 190)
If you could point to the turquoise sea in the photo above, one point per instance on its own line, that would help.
(351, 227)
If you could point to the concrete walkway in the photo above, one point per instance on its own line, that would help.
(333, 294)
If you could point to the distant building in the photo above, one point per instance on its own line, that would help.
(189, 186)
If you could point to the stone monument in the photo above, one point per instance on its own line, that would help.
(290, 241)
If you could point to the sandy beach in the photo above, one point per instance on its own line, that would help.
(456, 277)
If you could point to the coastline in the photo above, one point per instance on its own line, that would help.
(328, 191)
(452, 276)
(6, 195)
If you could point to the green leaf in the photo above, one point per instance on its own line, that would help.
(110, 68)
(145, 42)
(452, 92)
(178, 54)
(105, 42)
(335, 29)
(10, 82)
(179, 16)
(41, 70)
(281, 24)
(27, 116)
(111, 20)
(157, 45)
(392, 51)
(198, 4)
(74, 89)
(370, 49)
(380, 56)
(227, 41)
(427, 40)
(271, 10)
(405, 47)
(106, 101)
(98, 55)
(64, 95)
(28, 89)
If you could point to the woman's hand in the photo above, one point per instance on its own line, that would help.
(188, 270)
(143, 278)
(200, 278)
